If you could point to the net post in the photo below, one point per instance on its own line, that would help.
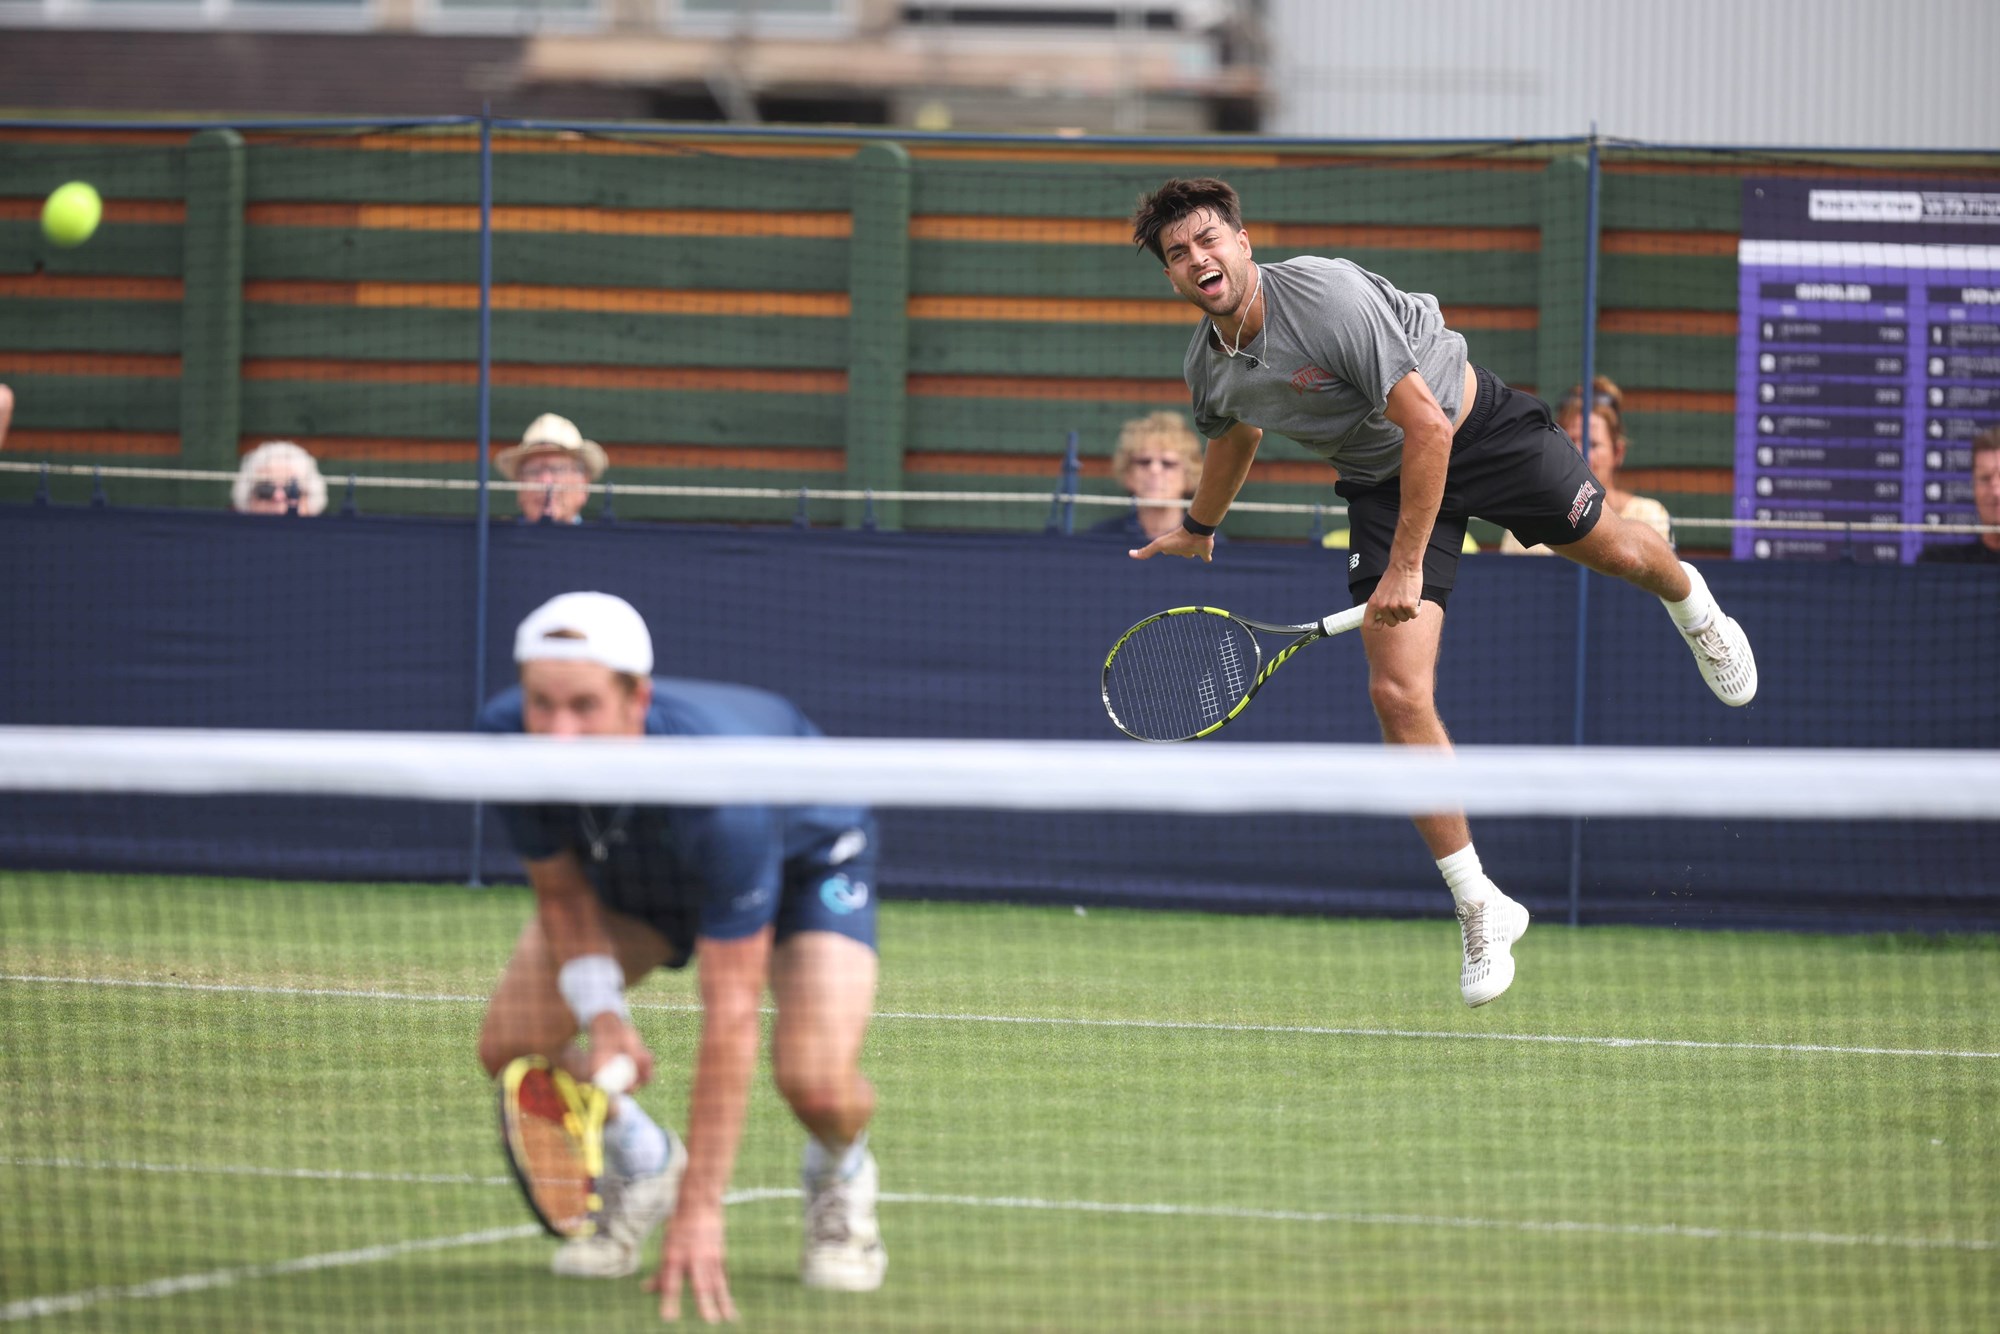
(609, 514)
(42, 485)
(348, 509)
(800, 518)
(99, 498)
(482, 526)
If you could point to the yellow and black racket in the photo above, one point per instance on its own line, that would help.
(552, 1131)
(1186, 672)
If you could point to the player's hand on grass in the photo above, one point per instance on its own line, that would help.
(1176, 542)
(1398, 598)
(691, 1254)
(611, 1036)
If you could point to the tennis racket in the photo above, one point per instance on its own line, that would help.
(1188, 671)
(552, 1131)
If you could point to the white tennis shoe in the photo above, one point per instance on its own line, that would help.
(1490, 930)
(1722, 651)
(633, 1207)
(843, 1244)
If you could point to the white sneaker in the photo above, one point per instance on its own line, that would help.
(843, 1244)
(1722, 651)
(633, 1207)
(1490, 930)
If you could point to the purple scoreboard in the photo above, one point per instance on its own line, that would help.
(1868, 357)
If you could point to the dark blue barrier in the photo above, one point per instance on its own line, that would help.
(172, 619)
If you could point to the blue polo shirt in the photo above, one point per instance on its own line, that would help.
(715, 871)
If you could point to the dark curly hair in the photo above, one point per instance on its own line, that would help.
(1178, 199)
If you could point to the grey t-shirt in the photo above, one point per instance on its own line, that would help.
(1335, 341)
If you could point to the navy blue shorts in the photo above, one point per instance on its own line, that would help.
(1510, 464)
(827, 888)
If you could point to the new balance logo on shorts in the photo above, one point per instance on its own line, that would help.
(1581, 505)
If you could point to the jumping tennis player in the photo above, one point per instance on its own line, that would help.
(759, 894)
(1370, 378)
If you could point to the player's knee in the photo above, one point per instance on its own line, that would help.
(1400, 700)
(816, 1096)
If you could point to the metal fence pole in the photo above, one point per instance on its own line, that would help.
(485, 410)
(1582, 574)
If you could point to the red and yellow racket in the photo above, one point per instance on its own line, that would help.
(552, 1131)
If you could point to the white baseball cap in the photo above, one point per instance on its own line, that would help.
(587, 627)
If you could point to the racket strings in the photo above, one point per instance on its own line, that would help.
(1179, 675)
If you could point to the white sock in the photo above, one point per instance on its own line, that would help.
(634, 1145)
(824, 1160)
(1693, 612)
(1464, 878)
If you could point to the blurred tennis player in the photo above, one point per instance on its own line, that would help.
(759, 894)
(1371, 379)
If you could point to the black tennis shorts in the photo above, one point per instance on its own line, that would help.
(1510, 465)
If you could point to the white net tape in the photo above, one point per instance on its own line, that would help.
(1212, 778)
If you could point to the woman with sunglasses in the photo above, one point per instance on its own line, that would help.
(278, 477)
(1159, 460)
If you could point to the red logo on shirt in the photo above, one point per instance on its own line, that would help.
(1581, 505)
(1311, 378)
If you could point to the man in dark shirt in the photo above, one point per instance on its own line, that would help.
(762, 894)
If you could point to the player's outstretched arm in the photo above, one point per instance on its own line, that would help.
(1223, 469)
(732, 976)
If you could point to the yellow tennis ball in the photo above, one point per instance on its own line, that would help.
(72, 214)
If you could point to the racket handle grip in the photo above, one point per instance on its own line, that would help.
(1342, 621)
(616, 1075)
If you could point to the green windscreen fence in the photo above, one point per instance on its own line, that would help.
(934, 322)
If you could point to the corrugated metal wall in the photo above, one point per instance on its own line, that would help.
(1849, 73)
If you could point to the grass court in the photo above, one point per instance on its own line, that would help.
(248, 1105)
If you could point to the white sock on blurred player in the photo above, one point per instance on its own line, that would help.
(634, 1144)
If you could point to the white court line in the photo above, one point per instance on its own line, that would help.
(1167, 1025)
(761, 1194)
(32, 1307)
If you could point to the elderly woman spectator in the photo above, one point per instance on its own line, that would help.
(556, 466)
(1158, 459)
(1608, 443)
(278, 477)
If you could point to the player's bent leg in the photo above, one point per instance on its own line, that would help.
(1637, 554)
(824, 985)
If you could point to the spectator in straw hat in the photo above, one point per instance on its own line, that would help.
(278, 477)
(556, 465)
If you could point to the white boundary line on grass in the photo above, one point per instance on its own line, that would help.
(32, 1307)
(1168, 1025)
(65, 1303)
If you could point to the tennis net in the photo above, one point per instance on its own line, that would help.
(1152, 1049)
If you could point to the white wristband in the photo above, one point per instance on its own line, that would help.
(593, 984)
